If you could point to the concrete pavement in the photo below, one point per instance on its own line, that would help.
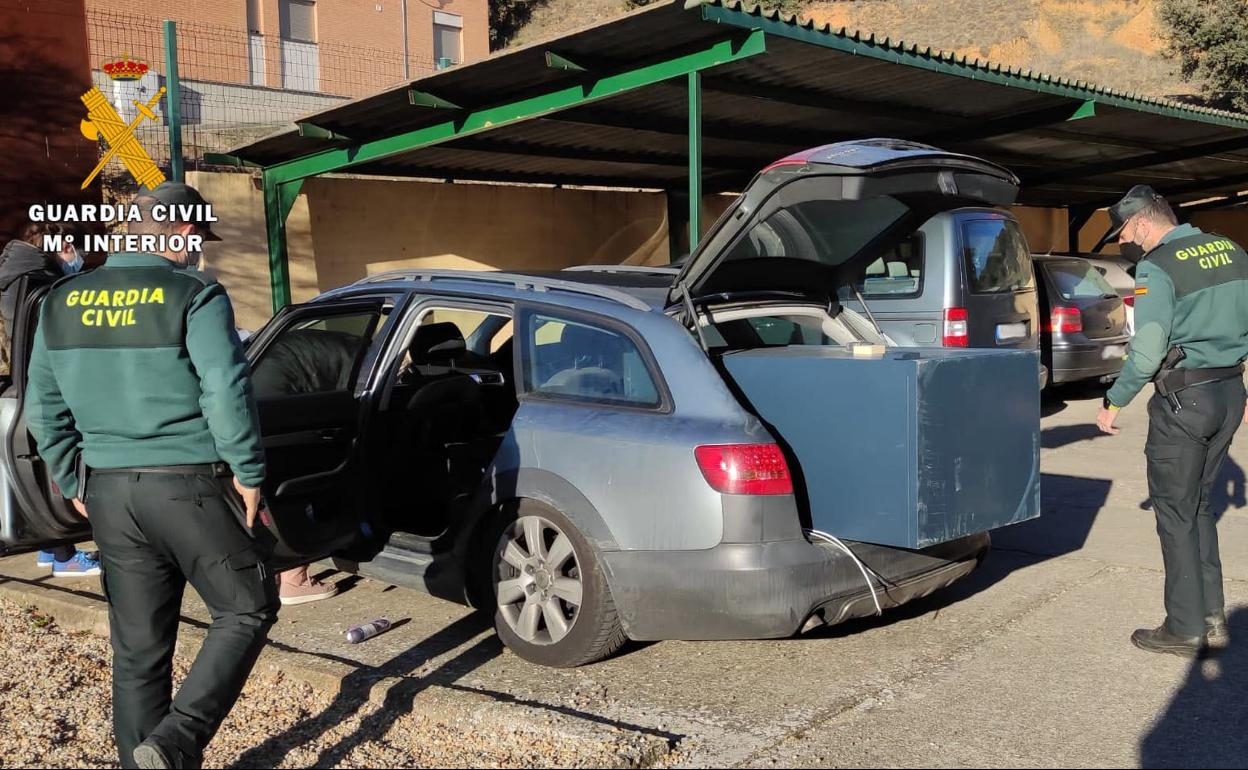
(1025, 663)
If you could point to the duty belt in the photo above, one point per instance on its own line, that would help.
(1176, 380)
(206, 469)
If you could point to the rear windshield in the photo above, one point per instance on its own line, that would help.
(997, 259)
(1079, 280)
(826, 231)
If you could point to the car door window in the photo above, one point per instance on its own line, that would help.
(581, 361)
(315, 355)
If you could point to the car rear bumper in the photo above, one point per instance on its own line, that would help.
(1082, 362)
(770, 590)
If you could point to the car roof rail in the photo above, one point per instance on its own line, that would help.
(522, 282)
(642, 269)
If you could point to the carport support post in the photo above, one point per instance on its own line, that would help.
(173, 101)
(695, 159)
(1076, 218)
(279, 199)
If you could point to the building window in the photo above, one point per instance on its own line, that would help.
(298, 20)
(448, 39)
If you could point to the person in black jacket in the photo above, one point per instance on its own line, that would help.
(25, 258)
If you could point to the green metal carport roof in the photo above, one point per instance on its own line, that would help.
(700, 95)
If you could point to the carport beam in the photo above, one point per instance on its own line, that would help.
(466, 123)
(279, 199)
(695, 159)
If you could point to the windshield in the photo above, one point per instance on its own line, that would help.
(1079, 280)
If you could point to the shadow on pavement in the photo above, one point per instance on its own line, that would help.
(400, 698)
(1204, 724)
(1063, 435)
(1056, 398)
(1069, 507)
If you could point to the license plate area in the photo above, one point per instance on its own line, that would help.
(1011, 332)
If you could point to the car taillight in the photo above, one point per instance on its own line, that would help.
(1129, 300)
(1066, 320)
(745, 469)
(957, 322)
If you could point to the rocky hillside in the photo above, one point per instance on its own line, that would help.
(1115, 43)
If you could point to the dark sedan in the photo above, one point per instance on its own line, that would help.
(1084, 333)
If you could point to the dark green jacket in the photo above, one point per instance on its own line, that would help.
(1191, 291)
(138, 364)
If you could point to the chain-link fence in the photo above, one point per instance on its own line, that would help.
(236, 86)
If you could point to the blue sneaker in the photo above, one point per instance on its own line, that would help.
(81, 565)
(46, 560)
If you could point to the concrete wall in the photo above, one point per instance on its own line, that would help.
(341, 230)
(1232, 223)
(344, 229)
(43, 72)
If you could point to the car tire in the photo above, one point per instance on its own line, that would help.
(533, 593)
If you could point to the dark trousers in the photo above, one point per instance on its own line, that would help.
(156, 532)
(1185, 453)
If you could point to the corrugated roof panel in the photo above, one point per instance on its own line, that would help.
(812, 86)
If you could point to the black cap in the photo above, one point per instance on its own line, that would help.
(179, 194)
(1136, 200)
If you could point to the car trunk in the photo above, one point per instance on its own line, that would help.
(910, 448)
(1079, 285)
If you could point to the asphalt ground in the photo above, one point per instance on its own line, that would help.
(1027, 662)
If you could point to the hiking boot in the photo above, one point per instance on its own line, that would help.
(1161, 640)
(150, 755)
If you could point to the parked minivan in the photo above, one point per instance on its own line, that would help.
(965, 279)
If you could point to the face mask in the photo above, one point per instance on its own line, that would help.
(73, 266)
(1131, 251)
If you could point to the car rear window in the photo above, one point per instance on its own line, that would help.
(1079, 280)
(997, 258)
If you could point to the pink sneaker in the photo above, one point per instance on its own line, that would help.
(309, 591)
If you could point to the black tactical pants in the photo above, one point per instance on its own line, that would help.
(156, 532)
(1185, 453)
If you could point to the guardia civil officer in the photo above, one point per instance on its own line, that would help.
(139, 390)
(1191, 320)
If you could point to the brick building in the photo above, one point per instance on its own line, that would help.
(335, 47)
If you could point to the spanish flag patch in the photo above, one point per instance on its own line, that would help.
(1141, 290)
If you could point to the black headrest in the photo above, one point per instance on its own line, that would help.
(437, 341)
(586, 340)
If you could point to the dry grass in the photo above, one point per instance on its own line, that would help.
(1108, 42)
